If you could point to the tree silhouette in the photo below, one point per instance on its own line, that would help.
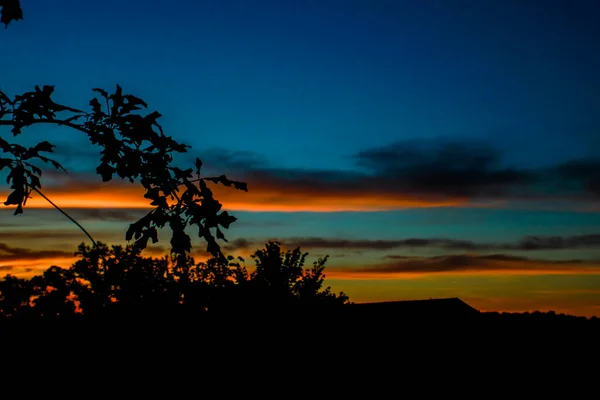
(15, 296)
(134, 147)
(117, 281)
(280, 275)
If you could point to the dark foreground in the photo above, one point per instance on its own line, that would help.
(440, 317)
(361, 343)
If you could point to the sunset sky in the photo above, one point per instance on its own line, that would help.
(434, 148)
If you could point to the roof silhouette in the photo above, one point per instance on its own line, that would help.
(446, 307)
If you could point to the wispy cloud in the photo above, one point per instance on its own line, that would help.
(527, 243)
(9, 254)
(398, 267)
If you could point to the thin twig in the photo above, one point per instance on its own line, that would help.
(70, 218)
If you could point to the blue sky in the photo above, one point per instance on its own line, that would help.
(272, 90)
(329, 78)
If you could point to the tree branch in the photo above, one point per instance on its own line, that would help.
(68, 216)
(48, 121)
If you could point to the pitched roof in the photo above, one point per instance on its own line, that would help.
(448, 307)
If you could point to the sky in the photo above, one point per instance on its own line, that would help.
(431, 149)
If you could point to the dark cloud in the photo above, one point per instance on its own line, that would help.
(557, 242)
(425, 170)
(397, 257)
(44, 234)
(581, 175)
(108, 214)
(473, 263)
(6, 268)
(528, 243)
(9, 254)
(223, 161)
(450, 168)
(239, 244)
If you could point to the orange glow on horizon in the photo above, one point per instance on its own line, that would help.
(514, 301)
(30, 268)
(256, 200)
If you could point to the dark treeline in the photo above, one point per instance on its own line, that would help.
(120, 284)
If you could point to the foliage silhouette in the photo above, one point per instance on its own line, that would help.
(10, 10)
(130, 285)
(134, 147)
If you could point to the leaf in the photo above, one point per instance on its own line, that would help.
(4, 98)
(181, 242)
(198, 166)
(220, 234)
(57, 165)
(4, 145)
(153, 234)
(135, 101)
(106, 171)
(225, 220)
(16, 197)
(182, 174)
(5, 162)
(35, 182)
(152, 193)
(117, 99)
(35, 169)
(102, 92)
(240, 185)
(96, 107)
(142, 242)
(19, 210)
(224, 181)
(44, 146)
(11, 11)
(131, 231)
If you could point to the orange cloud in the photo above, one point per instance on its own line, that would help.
(263, 198)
